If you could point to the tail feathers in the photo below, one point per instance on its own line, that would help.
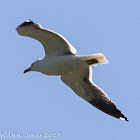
(95, 59)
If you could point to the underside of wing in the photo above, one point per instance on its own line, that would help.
(54, 44)
(81, 83)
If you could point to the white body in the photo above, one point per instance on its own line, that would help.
(60, 65)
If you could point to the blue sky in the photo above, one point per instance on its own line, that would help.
(39, 104)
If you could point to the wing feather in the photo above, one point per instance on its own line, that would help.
(53, 43)
(81, 83)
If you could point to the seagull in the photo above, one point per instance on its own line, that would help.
(75, 71)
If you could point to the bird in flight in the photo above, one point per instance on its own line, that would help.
(75, 71)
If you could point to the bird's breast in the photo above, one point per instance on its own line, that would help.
(60, 65)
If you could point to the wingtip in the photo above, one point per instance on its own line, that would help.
(123, 119)
(29, 20)
(26, 23)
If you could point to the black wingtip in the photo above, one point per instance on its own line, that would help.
(28, 20)
(26, 23)
(123, 118)
(109, 108)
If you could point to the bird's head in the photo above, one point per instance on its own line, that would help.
(34, 67)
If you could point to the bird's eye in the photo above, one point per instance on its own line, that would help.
(32, 65)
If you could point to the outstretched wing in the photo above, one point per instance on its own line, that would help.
(81, 83)
(53, 43)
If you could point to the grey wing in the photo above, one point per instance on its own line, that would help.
(81, 83)
(53, 43)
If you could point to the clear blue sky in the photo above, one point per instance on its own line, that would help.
(36, 103)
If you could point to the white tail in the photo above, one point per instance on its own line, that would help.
(94, 59)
